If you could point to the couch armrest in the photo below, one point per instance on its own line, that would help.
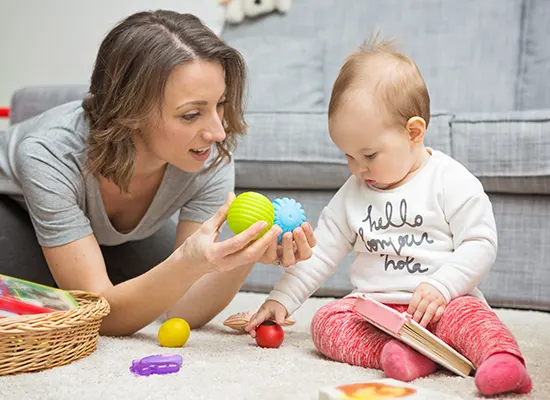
(30, 101)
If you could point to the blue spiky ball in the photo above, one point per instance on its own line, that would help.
(289, 215)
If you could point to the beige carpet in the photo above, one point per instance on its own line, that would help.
(221, 364)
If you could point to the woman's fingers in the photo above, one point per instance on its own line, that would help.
(295, 246)
(271, 253)
(251, 253)
(236, 243)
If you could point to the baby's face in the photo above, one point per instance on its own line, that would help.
(377, 152)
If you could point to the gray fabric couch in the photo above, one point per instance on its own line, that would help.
(487, 66)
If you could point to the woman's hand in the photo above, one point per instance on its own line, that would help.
(202, 251)
(296, 247)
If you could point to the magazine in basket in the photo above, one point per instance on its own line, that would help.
(20, 297)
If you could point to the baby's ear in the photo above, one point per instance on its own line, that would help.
(416, 126)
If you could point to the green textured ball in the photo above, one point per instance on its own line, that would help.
(249, 208)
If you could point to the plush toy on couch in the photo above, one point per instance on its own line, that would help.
(237, 10)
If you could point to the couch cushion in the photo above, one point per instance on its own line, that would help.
(285, 73)
(467, 51)
(520, 277)
(508, 152)
(30, 101)
(534, 81)
(289, 150)
(294, 151)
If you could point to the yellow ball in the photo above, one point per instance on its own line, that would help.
(174, 333)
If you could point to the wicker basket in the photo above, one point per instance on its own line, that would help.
(40, 341)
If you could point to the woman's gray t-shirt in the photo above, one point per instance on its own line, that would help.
(42, 166)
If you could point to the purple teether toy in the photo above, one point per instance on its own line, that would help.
(159, 364)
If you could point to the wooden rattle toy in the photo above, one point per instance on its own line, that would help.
(240, 320)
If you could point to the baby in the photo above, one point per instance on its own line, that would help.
(422, 228)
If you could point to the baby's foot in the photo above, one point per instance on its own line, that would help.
(501, 373)
(401, 362)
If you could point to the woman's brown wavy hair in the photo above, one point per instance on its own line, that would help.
(127, 85)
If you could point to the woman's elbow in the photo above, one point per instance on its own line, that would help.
(116, 328)
(115, 331)
(198, 324)
(195, 321)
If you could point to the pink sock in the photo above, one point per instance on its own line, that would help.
(401, 362)
(501, 373)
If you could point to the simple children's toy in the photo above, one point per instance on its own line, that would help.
(403, 327)
(289, 215)
(388, 389)
(174, 333)
(247, 209)
(269, 335)
(240, 320)
(159, 364)
(237, 10)
(251, 207)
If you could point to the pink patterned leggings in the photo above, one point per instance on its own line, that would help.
(467, 325)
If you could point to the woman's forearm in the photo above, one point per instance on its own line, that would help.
(139, 301)
(209, 296)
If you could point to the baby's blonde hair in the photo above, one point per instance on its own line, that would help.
(393, 79)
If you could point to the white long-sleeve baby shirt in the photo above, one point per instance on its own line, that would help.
(437, 228)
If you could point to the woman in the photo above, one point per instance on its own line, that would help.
(152, 137)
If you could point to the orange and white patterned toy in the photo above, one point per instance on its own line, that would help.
(238, 321)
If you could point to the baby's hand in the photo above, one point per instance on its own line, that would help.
(271, 310)
(427, 304)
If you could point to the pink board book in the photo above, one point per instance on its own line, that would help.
(404, 328)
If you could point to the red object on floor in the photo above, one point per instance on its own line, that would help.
(269, 335)
(4, 112)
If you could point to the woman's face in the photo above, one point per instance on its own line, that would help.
(192, 115)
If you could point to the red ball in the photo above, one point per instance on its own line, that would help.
(269, 334)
